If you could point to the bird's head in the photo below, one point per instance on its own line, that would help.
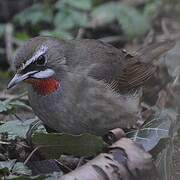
(40, 62)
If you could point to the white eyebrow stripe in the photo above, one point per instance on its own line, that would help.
(38, 53)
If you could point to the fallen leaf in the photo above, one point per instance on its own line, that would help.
(53, 145)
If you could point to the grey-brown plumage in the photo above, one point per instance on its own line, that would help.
(95, 80)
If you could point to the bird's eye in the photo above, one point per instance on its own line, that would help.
(41, 60)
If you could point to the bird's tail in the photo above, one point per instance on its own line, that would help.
(142, 67)
(153, 52)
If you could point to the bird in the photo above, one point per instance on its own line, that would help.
(84, 85)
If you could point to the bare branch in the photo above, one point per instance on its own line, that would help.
(9, 42)
(125, 160)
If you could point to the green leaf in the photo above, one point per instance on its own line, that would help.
(21, 169)
(80, 4)
(4, 106)
(64, 20)
(2, 29)
(6, 166)
(34, 14)
(53, 145)
(17, 128)
(153, 131)
(18, 103)
(68, 19)
(151, 9)
(13, 167)
(61, 34)
(79, 18)
(4, 171)
(105, 13)
(8, 105)
(22, 36)
(132, 22)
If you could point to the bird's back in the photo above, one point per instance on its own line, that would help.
(115, 67)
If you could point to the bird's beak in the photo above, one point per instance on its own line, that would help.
(19, 78)
(32, 74)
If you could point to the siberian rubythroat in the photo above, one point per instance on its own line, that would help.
(81, 86)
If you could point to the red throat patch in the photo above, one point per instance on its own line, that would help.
(44, 86)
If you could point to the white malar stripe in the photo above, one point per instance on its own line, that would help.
(43, 74)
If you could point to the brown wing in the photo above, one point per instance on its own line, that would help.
(120, 70)
(134, 76)
(154, 51)
(130, 72)
(137, 73)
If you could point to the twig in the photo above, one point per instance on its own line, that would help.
(4, 97)
(63, 165)
(165, 28)
(16, 97)
(149, 39)
(70, 161)
(32, 128)
(80, 33)
(30, 155)
(9, 42)
(80, 162)
(20, 119)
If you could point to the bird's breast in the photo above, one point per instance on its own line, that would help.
(81, 108)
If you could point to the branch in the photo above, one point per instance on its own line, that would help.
(125, 160)
(9, 42)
